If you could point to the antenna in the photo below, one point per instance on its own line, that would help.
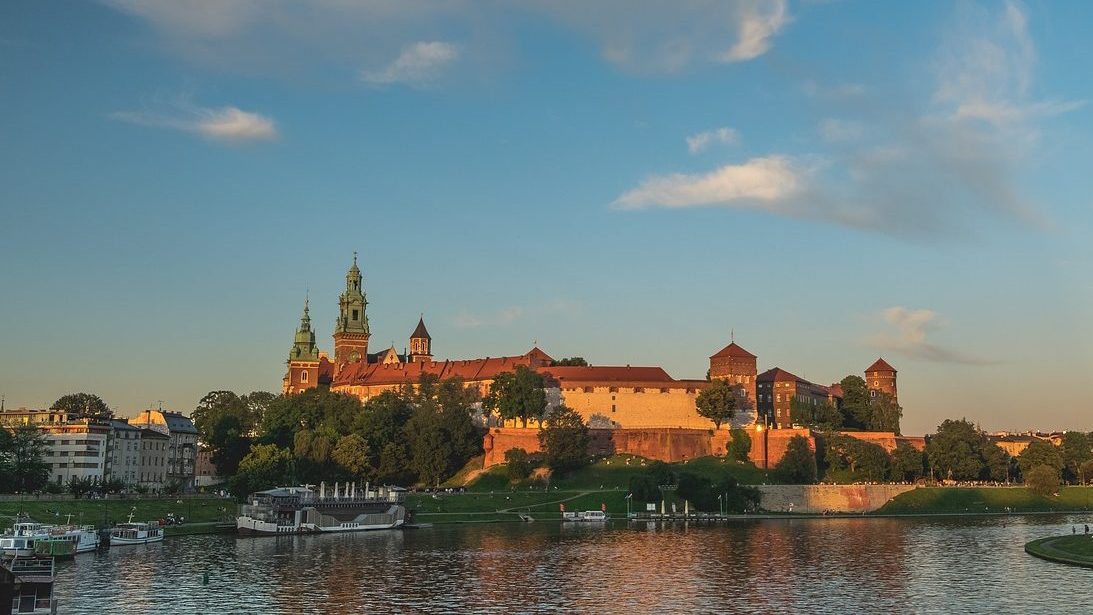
(732, 336)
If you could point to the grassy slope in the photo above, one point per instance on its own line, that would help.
(987, 499)
(196, 510)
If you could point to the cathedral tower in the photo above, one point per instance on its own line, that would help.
(880, 376)
(303, 358)
(351, 331)
(421, 344)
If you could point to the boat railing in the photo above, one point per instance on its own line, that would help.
(36, 566)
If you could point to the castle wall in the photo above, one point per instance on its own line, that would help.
(828, 498)
(636, 407)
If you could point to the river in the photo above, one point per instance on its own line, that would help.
(868, 565)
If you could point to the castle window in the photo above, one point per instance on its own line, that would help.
(588, 389)
(303, 375)
(612, 407)
(639, 390)
(664, 390)
(613, 390)
(354, 314)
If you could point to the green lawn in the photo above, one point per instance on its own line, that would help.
(196, 510)
(1073, 549)
(987, 499)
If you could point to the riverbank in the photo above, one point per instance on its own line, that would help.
(110, 511)
(1076, 549)
(979, 500)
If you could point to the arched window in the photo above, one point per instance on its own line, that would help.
(303, 375)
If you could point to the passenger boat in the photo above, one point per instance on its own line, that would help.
(67, 541)
(586, 516)
(130, 533)
(32, 584)
(19, 540)
(299, 510)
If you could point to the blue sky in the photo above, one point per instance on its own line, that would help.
(628, 182)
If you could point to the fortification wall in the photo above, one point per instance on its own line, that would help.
(829, 498)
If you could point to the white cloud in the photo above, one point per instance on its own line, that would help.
(908, 337)
(760, 183)
(758, 25)
(418, 64)
(228, 124)
(699, 142)
(835, 130)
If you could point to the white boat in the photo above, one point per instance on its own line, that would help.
(586, 516)
(67, 541)
(19, 540)
(130, 533)
(298, 510)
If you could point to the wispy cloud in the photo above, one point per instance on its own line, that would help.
(699, 142)
(508, 315)
(835, 130)
(226, 124)
(760, 183)
(759, 23)
(907, 337)
(419, 64)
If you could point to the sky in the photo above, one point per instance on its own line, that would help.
(630, 182)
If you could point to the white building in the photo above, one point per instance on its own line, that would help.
(77, 449)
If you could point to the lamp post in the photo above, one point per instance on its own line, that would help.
(628, 496)
(721, 504)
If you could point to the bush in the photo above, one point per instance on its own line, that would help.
(739, 446)
(798, 466)
(519, 464)
(1042, 480)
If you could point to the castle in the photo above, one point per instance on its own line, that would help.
(608, 397)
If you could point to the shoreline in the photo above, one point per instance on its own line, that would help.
(1054, 549)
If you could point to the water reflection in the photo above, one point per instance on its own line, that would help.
(771, 566)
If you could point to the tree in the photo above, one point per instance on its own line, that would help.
(516, 395)
(824, 416)
(1038, 453)
(907, 463)
(798, 465)
(884, 413)
(718, 402)
(265, 466)
(644, 487)
(1076, 449)
(855, 408)
(1085, 471)
(865, 460)
(997, 462)
(956, 451)
(739, 445)
(518, 464)
(351, 453)
(84, 405)
(1042, 480)
(223, 424)
(26, 447)
(80, 487)
(570, 362)
(564, 440)
(310, 409)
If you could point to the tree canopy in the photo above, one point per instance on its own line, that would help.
(855, 408)
(569, 362)
(84, 405)
(21, 465)
(564, 440)
(739, 446)
(1040, 453)
(718, 402)
(518, 394)
(959, 451)
(798, 466)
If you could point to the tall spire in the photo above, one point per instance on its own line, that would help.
(351, 329)
(304, 348)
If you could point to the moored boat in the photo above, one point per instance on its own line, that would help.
(32, 584)
(19, 540)
(586, 516)
(131, 533)
(298, 510)
(67, 541)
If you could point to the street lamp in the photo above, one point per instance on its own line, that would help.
(628, 496)
(721, 504)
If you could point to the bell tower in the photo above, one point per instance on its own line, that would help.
(351, 330)
(303, 358)
(421, 344)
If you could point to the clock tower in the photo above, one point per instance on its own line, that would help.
(351, 330)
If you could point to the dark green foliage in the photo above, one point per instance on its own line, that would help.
(352, 456)
(570, 362)
(739, 445)
(823, 417)
(1076, 449)
(311, 409)
(855, 408)
(864, 460)
(265, 467)
(719, 402)
(564, 440)
(224, 422)
(908, 463)
(517, 395)
(958, 451)
(518, 464)
(84, 405)
(80, 487)
(645, 488)
(798, 466)
(1042, 480)
(884, 413)
(709, 496)
(997, 462)
(1040, 453)
(21, 452)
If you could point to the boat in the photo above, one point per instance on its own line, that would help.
(302, 510)
(19, 540)
(586, 516)
(31, 582)
(131, 533)
(67, 541)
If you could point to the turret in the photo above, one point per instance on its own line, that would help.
(303, 358)
(421, 344)
(880, 376)
(351, 329)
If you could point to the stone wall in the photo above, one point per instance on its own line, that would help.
(829, 498)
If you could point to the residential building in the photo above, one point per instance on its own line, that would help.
(123, 452)
(182, 450)
(205, 470)
(154, 448)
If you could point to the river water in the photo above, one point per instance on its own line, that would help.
(869, 565)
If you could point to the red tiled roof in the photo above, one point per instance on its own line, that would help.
(835, 390)
(365, 374)
(777, 374)
(733, 350)
(608, 374)
(880, 366)
(326, 370)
